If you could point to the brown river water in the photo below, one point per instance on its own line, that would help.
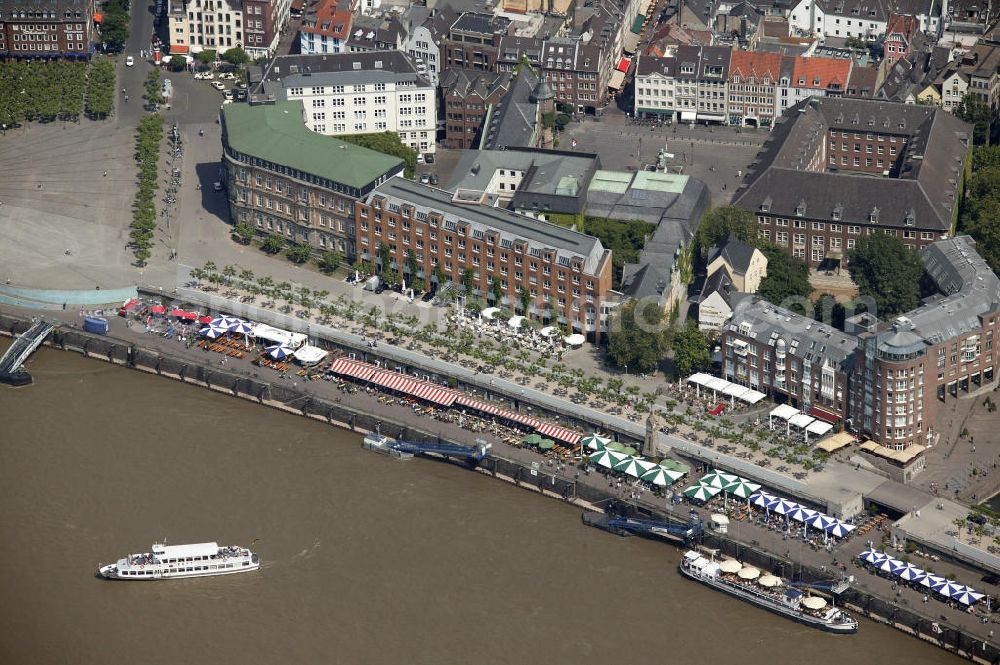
(365, 559)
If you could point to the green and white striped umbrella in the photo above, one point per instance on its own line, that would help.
(594, 442)
(701, 492)
(742, 488)
(634, 466)
(662, 477)
(718, 479)
(606, 458)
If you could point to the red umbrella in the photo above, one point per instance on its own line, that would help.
(206, 319)
(190, 316)
(157, 309)
(177, 312)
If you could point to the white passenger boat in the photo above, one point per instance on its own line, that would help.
(167, 562)
(743, 582)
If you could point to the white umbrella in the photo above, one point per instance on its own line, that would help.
(769, 581)
(814, 602)
(749, 573)
(730, 565)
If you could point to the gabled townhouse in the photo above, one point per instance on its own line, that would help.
(899, 33)
(325, 27)
(701, 88)
(424, 32)
(753, 80)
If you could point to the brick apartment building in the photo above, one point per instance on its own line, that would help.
(564, 271)
(838, 168)
(886, 380)
(46, 29)
(466, 97)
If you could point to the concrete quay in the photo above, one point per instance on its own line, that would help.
(959, 632)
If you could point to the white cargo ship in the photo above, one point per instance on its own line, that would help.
(167, 562)
(766, 591)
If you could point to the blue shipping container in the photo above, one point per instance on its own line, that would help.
(95, 324)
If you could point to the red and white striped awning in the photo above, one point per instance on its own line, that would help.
(561, 433)
(353, 368)
(518, 418)
(394, 381)
(420, 389)
(434, 393)
(462, 400)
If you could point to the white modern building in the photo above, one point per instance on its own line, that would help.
(219, 25)
(866, 19)
(357, 93)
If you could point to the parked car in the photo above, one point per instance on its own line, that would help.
(228, 94)
(218, 85)
(129, 61)
(425, 178)
(420, 158)
(429, 158)
(434, 179)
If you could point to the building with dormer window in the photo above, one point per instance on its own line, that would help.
(838, 168)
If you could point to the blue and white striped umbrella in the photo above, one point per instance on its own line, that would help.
(762, 499)
(801, 513)
(279, 351)
(241, 327)
(911, 573)
(224, 322)
(967, 596)
(839, 529)
(782, 506)
(873, 557)
(950, 589)
(212, 332)
(934, 582)
(823, 522)
(891, 565)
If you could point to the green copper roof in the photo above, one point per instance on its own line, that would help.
(277, 133)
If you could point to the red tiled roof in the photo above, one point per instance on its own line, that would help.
(328, 18)
(756, 64)
(903, 24)
(820, 73)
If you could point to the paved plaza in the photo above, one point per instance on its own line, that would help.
(716, 155)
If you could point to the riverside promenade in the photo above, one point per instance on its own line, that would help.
(752, 537)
